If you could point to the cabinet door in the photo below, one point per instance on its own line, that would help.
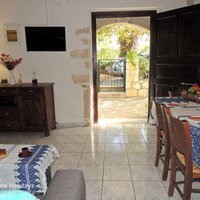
(32, 112)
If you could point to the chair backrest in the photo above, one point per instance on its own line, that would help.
(180, 136)
(166, 112)
(159, 115)
(173, 93)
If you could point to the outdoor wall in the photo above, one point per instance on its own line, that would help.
(71, 71)
(134, 86)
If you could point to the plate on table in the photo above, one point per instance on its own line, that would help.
(3, 156)
(194, 118)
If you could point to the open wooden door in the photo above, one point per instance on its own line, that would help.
(176, 56)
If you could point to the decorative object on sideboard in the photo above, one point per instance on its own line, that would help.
(10, 63)
(11, 79)
(4, 81)
(34, 80)
(20, 79)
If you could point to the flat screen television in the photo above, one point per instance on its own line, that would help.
(45, 38)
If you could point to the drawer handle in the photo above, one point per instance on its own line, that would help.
(6, 113)
(8, 125)
(31, 91)
(4, 91)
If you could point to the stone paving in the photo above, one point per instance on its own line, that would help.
(122, 109)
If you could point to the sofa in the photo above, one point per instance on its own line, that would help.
(67, 184)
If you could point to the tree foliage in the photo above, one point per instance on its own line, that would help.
(127, 36)
(121, 40)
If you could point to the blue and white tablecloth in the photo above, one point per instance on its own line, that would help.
(184, 114)
(171, 99)
(195, 135)
(168, 100)
(183, 111)
(26, 174)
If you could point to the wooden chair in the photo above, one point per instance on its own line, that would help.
(173, 93)
(167, 140)
(162, 140)
(181, 158)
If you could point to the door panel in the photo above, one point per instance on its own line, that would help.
(177, 72)
(166, 30)
(189, 36)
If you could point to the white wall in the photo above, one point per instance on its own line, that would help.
(58, 67)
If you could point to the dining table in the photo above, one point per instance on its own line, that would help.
(170, 102)
(184, 109)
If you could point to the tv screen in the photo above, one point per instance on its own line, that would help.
(45, 38)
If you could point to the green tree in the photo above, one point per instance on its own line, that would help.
(127, 38)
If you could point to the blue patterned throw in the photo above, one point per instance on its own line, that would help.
(28, 169)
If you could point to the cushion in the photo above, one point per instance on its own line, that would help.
(195, 169)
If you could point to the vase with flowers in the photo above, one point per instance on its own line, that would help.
(7, 61)
(194, 91)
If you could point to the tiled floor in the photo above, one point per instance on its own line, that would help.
(117, 159)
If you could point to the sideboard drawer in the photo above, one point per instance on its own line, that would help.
(30, 91)
(9, 125)
(8, 91)
(9, 114)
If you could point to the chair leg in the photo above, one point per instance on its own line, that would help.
(158, 147)
(187, 185)
(172, 176)
(166, 162)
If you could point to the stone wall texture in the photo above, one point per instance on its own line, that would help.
(135, 86)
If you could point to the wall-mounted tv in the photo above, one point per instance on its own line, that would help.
(47, 38)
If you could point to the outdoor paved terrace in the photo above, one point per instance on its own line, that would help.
(123, 109)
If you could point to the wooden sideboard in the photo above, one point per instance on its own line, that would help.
(24, 107)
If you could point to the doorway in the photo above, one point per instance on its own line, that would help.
(102, 18)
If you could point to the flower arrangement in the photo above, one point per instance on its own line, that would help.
(9, 62)
(194, 89)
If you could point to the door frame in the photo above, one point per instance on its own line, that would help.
(121, 14)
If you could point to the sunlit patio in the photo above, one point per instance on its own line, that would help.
(122, 109)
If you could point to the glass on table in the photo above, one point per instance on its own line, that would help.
(184, 93)
(197, 99)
